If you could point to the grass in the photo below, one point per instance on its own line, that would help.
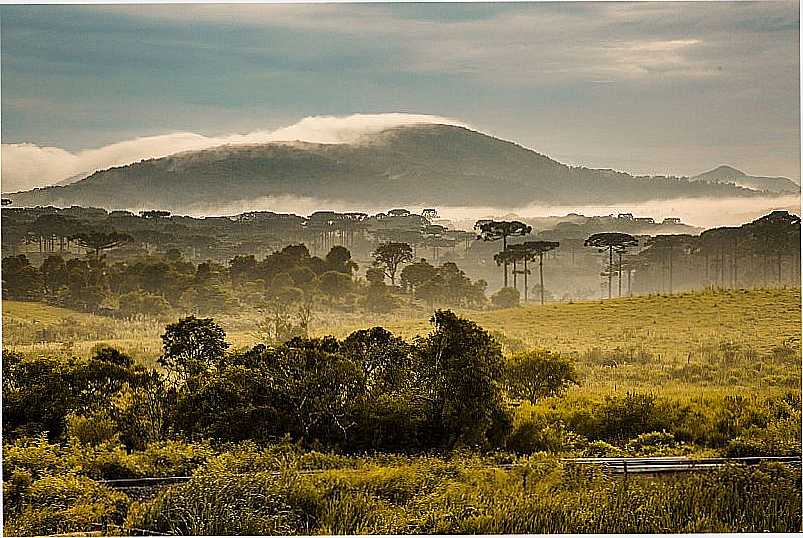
(250, 490)
(700, 351)
(689, 344)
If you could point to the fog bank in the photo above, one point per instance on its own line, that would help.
(26, 166)
(702, 212)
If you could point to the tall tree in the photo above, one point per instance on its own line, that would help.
(192, 346)
(491, 230)
(777, 235)
(100, 241)
(506, 257)
(459, 374)
(610, 241)
(537, 248)
(390, 256)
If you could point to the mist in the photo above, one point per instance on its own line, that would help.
(700, 212)
(26, 166)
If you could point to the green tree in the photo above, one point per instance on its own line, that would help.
(536, 374)
(612, 241)
(54, 273)
(491, 230)
(460, 368)
(334, 284)
(417, 274)
(21, 280)
(390, 256)
(339, 259)
(191, 347)
(382, 358)
(100, 241)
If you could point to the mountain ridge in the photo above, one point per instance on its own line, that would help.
(728, 174)
(430, 164)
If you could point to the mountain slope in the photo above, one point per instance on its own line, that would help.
(728, 174)
(423, 164)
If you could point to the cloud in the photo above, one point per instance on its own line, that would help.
(26, 166)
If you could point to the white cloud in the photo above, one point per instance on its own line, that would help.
(26, 166)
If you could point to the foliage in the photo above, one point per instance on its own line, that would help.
(192, 346)
(537, 374)
(506, 298)
(390, 255)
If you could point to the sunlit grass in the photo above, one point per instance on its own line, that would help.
(703, 343)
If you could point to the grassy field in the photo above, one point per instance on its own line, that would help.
(723, 370)
(729, 340)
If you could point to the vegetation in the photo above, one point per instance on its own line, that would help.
(301, 398)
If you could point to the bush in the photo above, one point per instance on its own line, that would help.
(536, 374)
(506, 298)
(620, 418)
(60, 504)
(780, 438)
(94, 429)
(530, 437)
(652, 444)
(601, 449)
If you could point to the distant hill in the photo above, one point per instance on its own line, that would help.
(72, 179)
(433, 164)
(728, 174)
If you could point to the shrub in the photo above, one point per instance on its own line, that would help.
(94, 429)
(506, 298)
(537, 374)
(60, 504)
(651, 444)
(530, 437)
(601, 449)
(780, 438)
(620, 418)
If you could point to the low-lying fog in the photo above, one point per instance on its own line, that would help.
(702, 212)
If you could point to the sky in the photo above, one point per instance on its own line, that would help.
(650, 88)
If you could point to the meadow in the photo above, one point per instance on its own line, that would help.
(708, 373)
(712, 341)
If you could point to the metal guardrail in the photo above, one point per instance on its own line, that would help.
(674, 464)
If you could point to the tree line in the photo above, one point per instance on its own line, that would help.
(283, 280)
(764, 252)
(752, 254)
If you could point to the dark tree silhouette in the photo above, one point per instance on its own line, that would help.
(507, 257)
(665, 247)
(49, 227)
(192, 346)
(717, 242)
(154, 214)
(777, 235)
(390, 256)
(611, 241)
(100, 241)
(491, 230)
(537, 248)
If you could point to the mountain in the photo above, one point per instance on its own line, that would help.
(431, 164)
(72, 179)
(728, 174)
